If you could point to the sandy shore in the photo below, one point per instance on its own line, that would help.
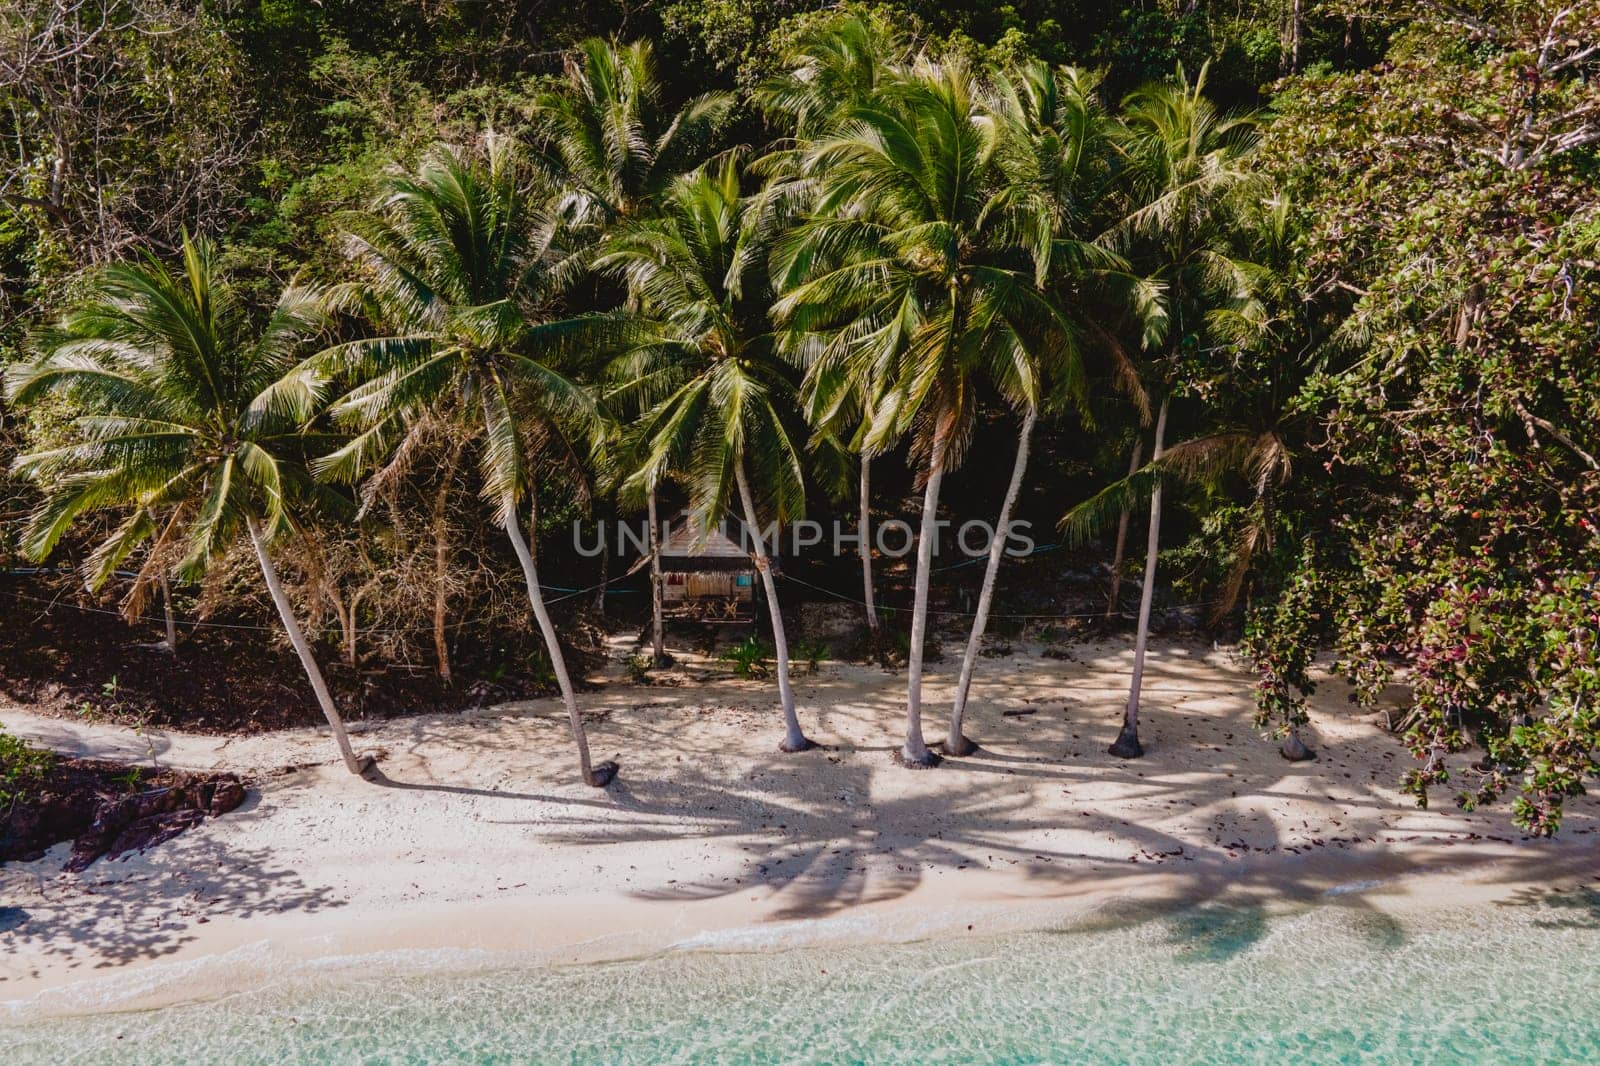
(480, 841)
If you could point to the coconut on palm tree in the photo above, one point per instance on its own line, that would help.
(459, 275)
(178, 416)
(922, 296)
(721, 397)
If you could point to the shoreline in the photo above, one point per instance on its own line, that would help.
(479, 851)
(473, 937)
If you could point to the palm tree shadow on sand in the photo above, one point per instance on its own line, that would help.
(92, 924)
(820, 859)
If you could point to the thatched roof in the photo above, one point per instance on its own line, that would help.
(686, 548)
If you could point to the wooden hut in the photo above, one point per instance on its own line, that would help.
(706, 578)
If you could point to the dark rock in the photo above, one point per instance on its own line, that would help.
(85, 801)
(227, 794)
(33, 827)
(115, 817)
(154, 829)
(603, 773)
(1294, 749)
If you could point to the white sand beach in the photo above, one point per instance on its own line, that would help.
(480, 840)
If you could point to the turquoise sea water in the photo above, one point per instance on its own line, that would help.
(1333, 982)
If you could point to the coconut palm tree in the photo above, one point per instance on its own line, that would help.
(1186, 166)
(829, 70)
(614, 146)
(459, 273)
(179, 425)
(1055, 176)
(1246, 437)
(833, 406)
(706, 358)
(922, 294)
(613, 143)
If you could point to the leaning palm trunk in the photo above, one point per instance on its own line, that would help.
(1127, 745)
(302, 649)
(794, 739)
(1122, 536)
(864, 531)
(956, 743)
(595, 776)
(658, 648)
(915, 752)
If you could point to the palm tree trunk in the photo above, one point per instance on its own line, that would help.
(605, 574)
(166, 611)
(955, 742)
(595, 776)
(351, 633)
(1295, 21)
(864, 530)
(1122, 536)
(441, 561)
(441, 646)
(658, 649)
(1127, 745)
(794, 738)
(915, 752)
(302, 649)
(351, 651)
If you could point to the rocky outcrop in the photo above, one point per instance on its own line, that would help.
(82, 803)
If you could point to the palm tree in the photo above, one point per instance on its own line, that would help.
(834, 409)
(707, 362)
(1114, 593)
(1055, 172)
(1185, 168)
(177, 416)
(831, 69)
(1274, 346)
(459, 271)
(921, 295)
(615, 147)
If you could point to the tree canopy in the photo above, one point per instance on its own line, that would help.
(1344, 257)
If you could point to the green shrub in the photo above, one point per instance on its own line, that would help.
(811, 652)
(638, 666)
(22, 769)
(749, 658)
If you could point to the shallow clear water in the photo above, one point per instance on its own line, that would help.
(1334, 982)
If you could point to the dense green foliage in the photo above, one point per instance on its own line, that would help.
(1451, 231)
(1354, 253)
